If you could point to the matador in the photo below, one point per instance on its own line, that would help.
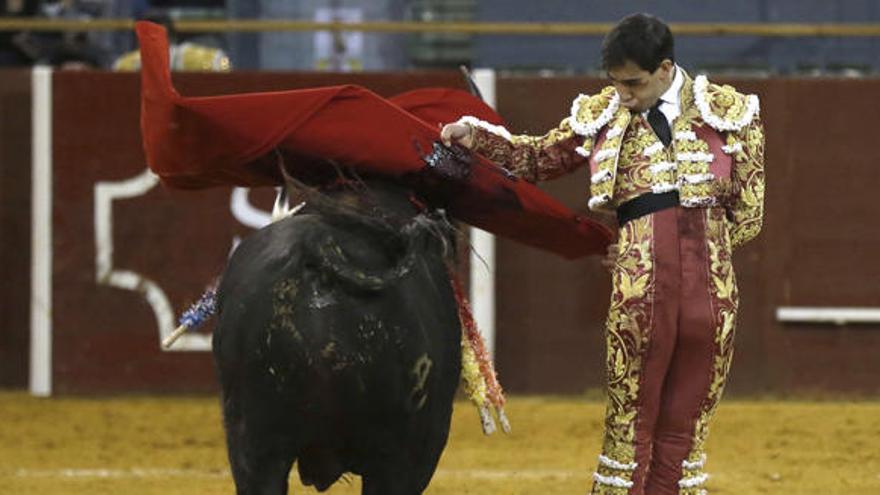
(680, 162)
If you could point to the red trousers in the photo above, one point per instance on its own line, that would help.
(669, 344)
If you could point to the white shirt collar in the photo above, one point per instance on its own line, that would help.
(671, 105)
(671, 94)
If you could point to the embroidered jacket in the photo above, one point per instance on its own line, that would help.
(716, 157)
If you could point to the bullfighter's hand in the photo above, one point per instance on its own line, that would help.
(610, 258)
(461, 134)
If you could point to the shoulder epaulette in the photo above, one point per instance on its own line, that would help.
(591, 113)
(723, 107)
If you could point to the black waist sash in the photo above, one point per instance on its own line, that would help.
(645, 205)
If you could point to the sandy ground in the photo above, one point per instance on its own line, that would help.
(168, 446)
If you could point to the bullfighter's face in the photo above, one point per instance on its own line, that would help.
(639, 89)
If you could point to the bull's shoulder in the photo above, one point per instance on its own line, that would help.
(723, 107)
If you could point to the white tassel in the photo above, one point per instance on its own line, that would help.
(694, 465)
(696, 178)
(685, 136)
(605, 153)
(653, 149)
(694, 156)
(609, 462)
(660, 167)
(614, 132)
(598, 201)
(615, 481)
(693, 481)
(600, 176)
(732, 148)
(663, 187)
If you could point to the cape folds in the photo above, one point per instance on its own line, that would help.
(233, 140)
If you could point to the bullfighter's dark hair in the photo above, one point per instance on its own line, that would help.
(641, 38)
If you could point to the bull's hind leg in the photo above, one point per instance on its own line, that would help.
(260, 464)
(267, 477)
(389, 484)
(391, 478)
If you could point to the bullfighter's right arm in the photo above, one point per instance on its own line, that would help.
(533, 158)
(556, 153)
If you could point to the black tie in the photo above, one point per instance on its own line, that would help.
(660, 124)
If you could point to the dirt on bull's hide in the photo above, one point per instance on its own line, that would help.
(173, 446)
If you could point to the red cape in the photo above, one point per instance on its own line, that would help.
(231, 140)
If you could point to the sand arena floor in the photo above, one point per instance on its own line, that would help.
(165, 445)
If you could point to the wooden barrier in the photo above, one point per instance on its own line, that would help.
(125, 255)
(818, 246)
(15, 222)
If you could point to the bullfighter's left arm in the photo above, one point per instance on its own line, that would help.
(747, 208)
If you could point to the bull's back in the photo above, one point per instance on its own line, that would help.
(345, 361)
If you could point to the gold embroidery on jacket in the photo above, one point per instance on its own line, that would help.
(624, 171)
(747, 209)
(634, 170)
(606, 158)
(723, 107)
(534, 158)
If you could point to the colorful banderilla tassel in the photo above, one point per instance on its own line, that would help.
(195, 316)
(477, 371)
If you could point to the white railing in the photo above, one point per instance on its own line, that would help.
(838, 316)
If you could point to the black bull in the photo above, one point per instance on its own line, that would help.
(338, 345)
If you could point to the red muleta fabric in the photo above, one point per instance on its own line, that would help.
(231, 140)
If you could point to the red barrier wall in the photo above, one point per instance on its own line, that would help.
(817, 248)
(171, 243)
